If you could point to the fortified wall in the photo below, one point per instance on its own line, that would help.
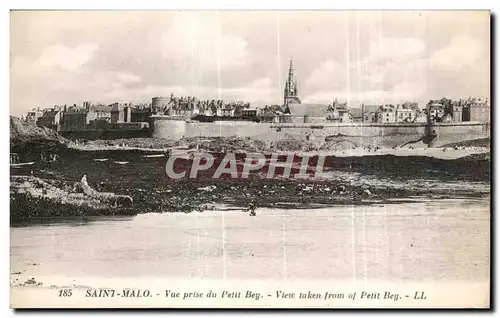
(176, 129)
(362, 134)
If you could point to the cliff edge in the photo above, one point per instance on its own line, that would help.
(28, 137)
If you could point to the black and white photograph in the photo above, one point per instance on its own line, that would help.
(250, 159)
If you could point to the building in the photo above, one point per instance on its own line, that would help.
(51, 118)
(33, 115)
(356, 114)
(447, 118)
(480, 113)
(386, 114)
(225, 112)
(160, 103)
(369, 113)
(290, 95)
(457, 113)
(294, 111)
(97, 112)
(435, 111)
(270, 114)
(308, 113)
(140, 114)
(74, 118)
(370, 117)
(127, 113)
(249, 113)
(405, 114)
(338, 112)
(117, 114)
(452, 109)
(446, 110)
(476, 110)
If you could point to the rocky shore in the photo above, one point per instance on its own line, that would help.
(122, 169)
(350, 181)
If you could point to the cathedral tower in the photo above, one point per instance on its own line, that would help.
(290, 93)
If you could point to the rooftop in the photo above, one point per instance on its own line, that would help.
(311, 110)
(76, 110)
(50, 113)
(100, 108)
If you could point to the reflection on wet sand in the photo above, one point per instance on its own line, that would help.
(411, 241)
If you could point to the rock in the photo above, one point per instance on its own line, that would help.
(122, 200)
(366, 192)
(307, 189)
(208, 188)
(341, 188)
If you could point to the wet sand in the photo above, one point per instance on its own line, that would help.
(423, 241)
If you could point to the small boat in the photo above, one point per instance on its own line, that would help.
(19, 165)
(121, 162)
(15, 161)
(101, 159)
(154, 156)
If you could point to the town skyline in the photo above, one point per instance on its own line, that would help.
(359, 57)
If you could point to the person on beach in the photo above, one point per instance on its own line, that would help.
(252, 207)
(83, 182)
(79, 187)
(54, 157)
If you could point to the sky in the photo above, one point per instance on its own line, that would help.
(371, 57)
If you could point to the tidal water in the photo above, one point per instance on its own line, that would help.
(421, 241)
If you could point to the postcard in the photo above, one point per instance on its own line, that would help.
(250, 159)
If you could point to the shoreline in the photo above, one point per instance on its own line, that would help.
(183, 241)
(184, 147)
(204, 196)
(358, 176)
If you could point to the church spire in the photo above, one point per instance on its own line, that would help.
(291, 93)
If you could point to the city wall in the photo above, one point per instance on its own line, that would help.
(176, 129)
(373, 134)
